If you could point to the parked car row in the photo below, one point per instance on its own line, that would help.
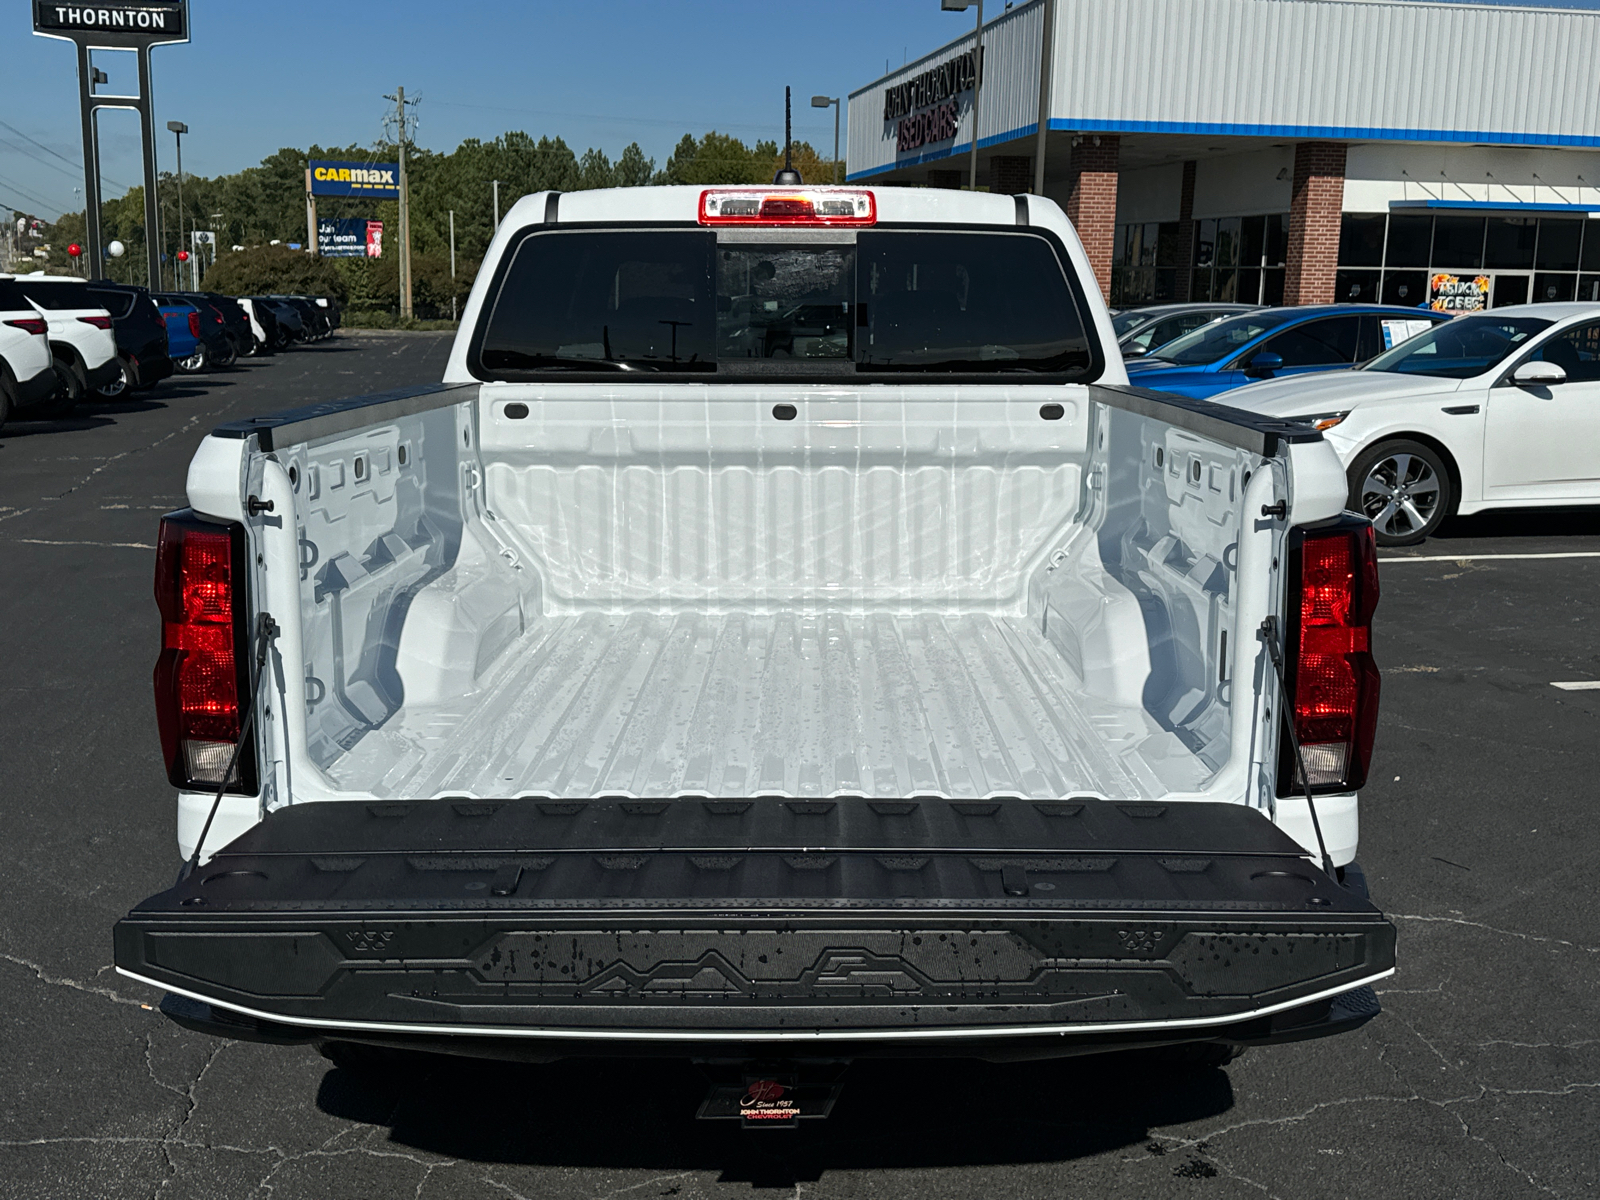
(1431, 415)
(63, 339)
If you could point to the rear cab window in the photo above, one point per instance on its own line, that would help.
(12, 299)
(757, 303)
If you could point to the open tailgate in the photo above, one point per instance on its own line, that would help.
(702, 920)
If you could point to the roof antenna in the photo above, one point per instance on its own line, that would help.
(787, 175)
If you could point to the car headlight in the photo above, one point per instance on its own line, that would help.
(1326, 420)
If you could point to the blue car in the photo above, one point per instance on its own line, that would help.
(1276, 343)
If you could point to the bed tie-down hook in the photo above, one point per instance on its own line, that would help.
(255, 506)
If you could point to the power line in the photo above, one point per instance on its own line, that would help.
(76, 166)
(22, 191)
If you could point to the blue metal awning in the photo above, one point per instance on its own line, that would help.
(1505, 206)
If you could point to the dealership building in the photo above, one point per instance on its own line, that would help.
(1275, 151)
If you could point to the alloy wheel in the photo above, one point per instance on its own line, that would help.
(1401, 494)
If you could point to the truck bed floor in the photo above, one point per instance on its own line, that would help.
(790, 704)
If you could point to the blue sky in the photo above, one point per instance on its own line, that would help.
(601, 73)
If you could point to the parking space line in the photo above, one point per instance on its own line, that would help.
(1486, 557)
(1579, 685)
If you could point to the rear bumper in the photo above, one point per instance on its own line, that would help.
(595, 927)
(107, 372)
(37, 389)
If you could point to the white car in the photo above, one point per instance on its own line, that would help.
(27, 373)
(1493, 410)
(82, 341)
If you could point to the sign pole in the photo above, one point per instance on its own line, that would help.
(91, 164)
(311, 216)
(1047, 61)
(405, 215)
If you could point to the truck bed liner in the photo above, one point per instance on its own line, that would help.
(887, 705)
(759, 919)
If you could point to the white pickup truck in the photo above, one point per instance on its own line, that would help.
(782, 636)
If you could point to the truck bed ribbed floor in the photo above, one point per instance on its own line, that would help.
(753, 704)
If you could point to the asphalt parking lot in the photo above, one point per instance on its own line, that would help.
(1481, 1078)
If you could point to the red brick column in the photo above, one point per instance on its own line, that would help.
(1011, 174)
(1092, 201)
(1185, 248)
(1314, 210)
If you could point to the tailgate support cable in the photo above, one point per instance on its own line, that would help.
(266, 630)
(1269, 635)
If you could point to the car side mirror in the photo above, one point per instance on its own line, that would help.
(1134, 350)
(1539, 374)
(1264, 364)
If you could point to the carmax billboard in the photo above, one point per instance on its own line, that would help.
(378, 180)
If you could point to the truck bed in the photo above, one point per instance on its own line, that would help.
(787, 704)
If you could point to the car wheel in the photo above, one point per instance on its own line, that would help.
(70, 389)
(119, 387)
(198, 361)
(1405, 488)
(8, 387)
(227, 357)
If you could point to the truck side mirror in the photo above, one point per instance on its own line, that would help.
(1539, 374)
(1264, 364)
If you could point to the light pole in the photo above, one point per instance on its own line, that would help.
(178, 130)
(833, 103)
(977, 75)
(496, 208)
(452, 264)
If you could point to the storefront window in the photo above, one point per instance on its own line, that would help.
(1361, 239)
(1458, 243)
(1553, 289)
(1405, 288)
(1558, 245)
(1510, 242)
(1144, 264)
(1356, 287)
(1590, 259)
(1410, 240)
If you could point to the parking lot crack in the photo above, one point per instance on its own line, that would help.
(1512, 933)
(45, 976)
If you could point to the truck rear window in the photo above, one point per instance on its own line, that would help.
(759, 303)
(115, 301)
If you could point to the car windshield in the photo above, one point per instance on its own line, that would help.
(1216, 341)
(1127, 322)
(759, 304)
(1459, 348)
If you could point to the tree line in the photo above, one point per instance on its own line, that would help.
(262, 205)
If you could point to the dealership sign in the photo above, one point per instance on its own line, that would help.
(924, 107)
(379, 180)
(1453, 294)
(140, 22)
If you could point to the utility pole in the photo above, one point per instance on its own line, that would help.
(496, 208)
(405, 208)
(452, 264)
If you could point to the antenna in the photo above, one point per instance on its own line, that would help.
(787, 174)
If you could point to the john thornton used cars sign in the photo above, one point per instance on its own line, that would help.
(924, 106)
(151, 20)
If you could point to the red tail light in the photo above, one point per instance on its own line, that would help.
(194, 322)
(97, 322)
(202, 673)
(1332, 679)
(31, 325)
